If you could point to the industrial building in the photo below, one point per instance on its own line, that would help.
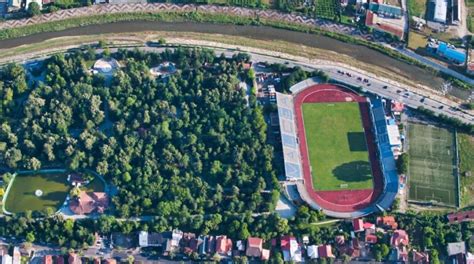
(386, 18)
(450, 53)
(439, 10)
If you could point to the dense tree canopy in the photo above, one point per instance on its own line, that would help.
(188, 149)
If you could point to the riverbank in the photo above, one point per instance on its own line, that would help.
(273, 51)
(89, 16)
(286, 41)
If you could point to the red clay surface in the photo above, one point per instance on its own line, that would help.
(338, 200)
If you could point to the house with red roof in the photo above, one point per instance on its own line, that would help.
(110, 261)
(224, 245)
(358, 225)
(399, 238)
(371, 238)
(397, 107)
(420, 257)
(368, 225)
(89, 202)
(325, 251)
(254, 247)
(48, 259)
(387, 222)
(461, 217)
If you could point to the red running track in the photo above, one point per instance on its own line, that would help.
(339, 200)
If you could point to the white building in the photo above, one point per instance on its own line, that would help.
(394, 139)
(17, 3)
(313, 252)
(440, 10)
(16, 256)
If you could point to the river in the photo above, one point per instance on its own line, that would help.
(358, 52)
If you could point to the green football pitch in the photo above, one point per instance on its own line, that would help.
(432, 176)
(337, 146)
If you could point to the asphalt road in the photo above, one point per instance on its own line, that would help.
(375, 85)
(379, 87)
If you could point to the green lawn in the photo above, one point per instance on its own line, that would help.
(470, 16)
(337, 147)
(21, 196)
(327, 8)
(466, 156)
(417, 8)
(431, 174)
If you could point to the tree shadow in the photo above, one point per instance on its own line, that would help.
(355, 171)
(356, 141)
(54, 196)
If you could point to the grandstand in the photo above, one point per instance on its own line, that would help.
(291, 153)
(386, 158)
(342, 203)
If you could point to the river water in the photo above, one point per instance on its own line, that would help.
(361, 53)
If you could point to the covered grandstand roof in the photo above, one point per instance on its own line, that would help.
(289, 141)
(385, 155)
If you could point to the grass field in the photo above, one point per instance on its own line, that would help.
(337, 147)
(431, 167)
(470, 16)
(416, 40)
(466, 160)
(21, 196)
(417, 8)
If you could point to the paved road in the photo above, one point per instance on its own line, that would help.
(435, 65)
(377, 86)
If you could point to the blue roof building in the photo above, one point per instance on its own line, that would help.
(451, 54)
(3, 8)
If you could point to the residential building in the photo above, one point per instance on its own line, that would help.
(5, 258)
(189, 243)
(312, 252)
(89, 202)
(461, 217)
(16, 256)
(224, 245)
(325, 251)
(420, 257)
(254, 247)
(456, 248)
(48, 259)
(172, 244)
(146, 239)
(358, 225)
(469, 258)
(110, 261)
(59, 259)
(291, 249)
(73, 258)
(387, 221)
(399, 254)
(399, 238)
(397, 107)
(265, 254)
(97, 260)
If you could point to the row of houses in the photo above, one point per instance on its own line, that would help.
(366, 234)
(177, 242)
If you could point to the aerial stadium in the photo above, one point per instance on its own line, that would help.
(336, 150)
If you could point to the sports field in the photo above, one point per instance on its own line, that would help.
(431, 168)
(21, 196)
(337, 146)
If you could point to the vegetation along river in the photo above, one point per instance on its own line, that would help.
(361, 53)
